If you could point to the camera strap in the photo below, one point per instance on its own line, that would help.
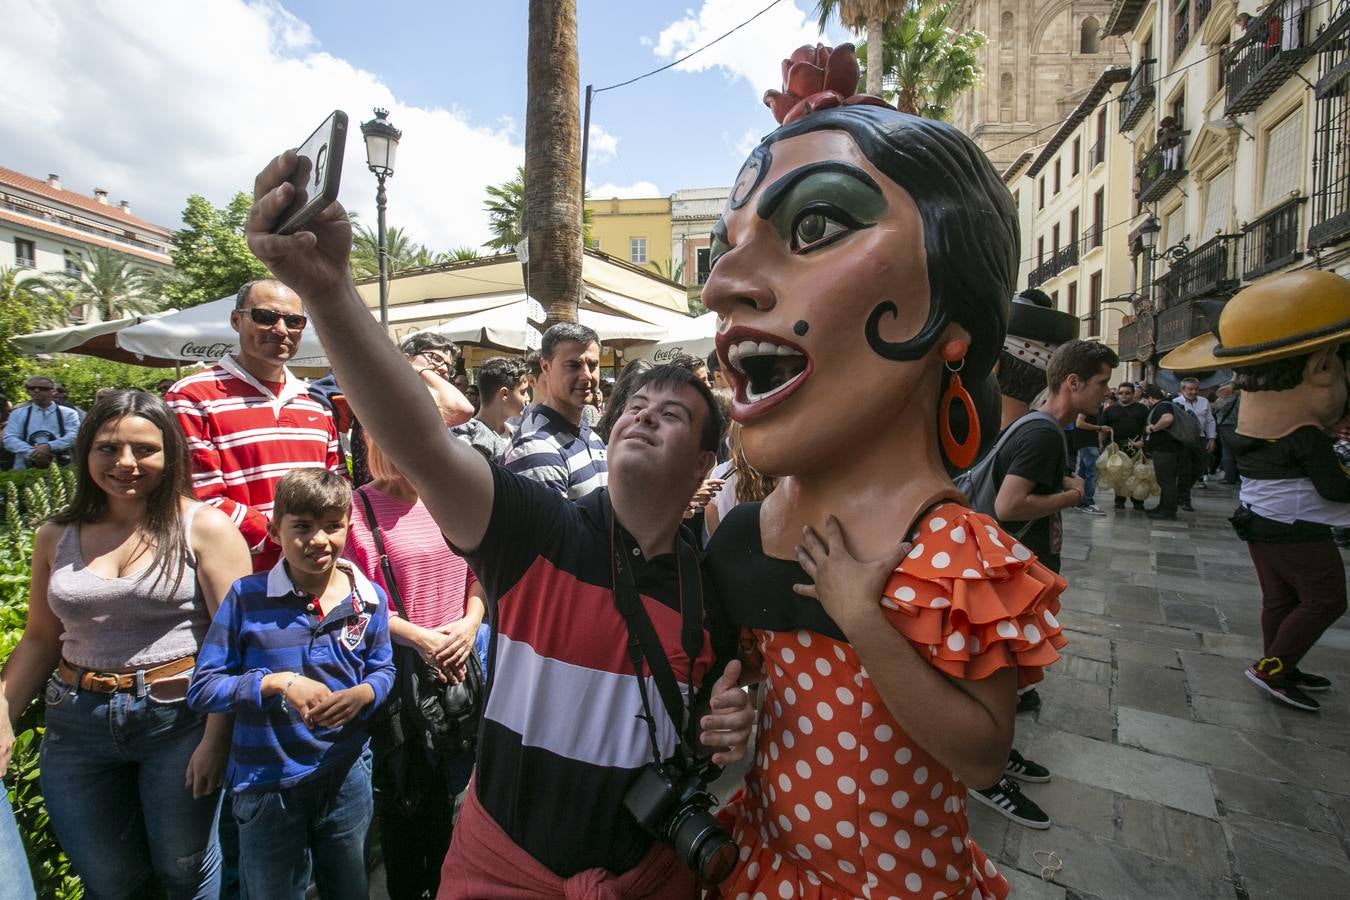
(643, 641)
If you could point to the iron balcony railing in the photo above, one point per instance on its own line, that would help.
(1161, 169)
(1181, 39)
(1092, 238)
(1265, 57)
(1271, 242)
(1137, 97)
(1211, 270)
(1063, 258)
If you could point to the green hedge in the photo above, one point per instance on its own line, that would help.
(43, 493)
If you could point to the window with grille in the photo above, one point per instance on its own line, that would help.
(72, 263)
(1218, 201)
(25, 254)
(637, 250)
(1175, 229)
(1284, 162)
(703, 257)
(1331, 145)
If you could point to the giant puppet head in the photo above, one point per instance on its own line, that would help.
(864, 259)
(1286, 337)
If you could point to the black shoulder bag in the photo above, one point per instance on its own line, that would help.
(424, 718)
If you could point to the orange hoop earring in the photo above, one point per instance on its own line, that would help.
(961, 453)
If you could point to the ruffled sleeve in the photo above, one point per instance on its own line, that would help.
(974, 600)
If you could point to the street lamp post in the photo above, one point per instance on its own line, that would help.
(381, 147)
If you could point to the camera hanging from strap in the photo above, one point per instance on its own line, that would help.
(643, 642)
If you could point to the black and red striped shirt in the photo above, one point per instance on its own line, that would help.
(561, 739)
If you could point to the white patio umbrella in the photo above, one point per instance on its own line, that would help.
(203, 334)
(92, 339)
(694, 337)
(506, 327)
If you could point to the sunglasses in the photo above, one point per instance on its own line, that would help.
(268, 317)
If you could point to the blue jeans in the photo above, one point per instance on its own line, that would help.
(319, 824)
(113, 773)
(1087, 470)
(17, 883)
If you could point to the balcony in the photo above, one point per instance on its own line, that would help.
(1160, 170)
(1063, 258)
(1271, 242)
(1092, 239)
(1137, 97)
(1096, 155)
(1264, 58)
(1208, 271)
(1182, 37)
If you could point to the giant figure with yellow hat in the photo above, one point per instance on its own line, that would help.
(1287, 338)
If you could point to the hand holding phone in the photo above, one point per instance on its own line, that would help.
(317, 174)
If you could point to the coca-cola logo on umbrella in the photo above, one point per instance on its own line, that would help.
(190, 350)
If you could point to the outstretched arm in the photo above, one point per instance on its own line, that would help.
(389, 398)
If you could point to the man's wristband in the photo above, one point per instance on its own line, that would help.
(286, 687)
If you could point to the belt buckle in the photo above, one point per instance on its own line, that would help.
(103, 683)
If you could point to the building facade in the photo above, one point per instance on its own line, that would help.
(1070, 193)
(693, 213)
(1241, 155)
(1041, 59)
(46, 228)
(636, 230)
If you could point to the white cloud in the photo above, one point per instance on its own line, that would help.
(155, 100)
(747, 142)
(603, 146)
(754, 53)
(625, 191)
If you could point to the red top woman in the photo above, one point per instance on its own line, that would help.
(862, 272)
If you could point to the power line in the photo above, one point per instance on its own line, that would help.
(691, 53)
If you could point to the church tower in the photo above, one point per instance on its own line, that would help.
(1041, 58)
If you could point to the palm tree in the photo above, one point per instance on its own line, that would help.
(867, 16)
(553, 204)
(925, 64)
(505, 206)
(402, 252)
(457, 254)
(109, 285)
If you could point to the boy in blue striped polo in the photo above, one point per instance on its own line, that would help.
(301, 655)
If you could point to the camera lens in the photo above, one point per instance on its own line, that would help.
(703, 844)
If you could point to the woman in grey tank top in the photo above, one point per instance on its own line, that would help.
(125, 581)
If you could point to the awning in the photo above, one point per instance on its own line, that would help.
(202, 334)
(695, 337)
(94, 339)
(505, 327)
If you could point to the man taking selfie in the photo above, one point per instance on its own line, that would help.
(602, 701)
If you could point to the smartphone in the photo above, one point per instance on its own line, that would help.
(318, 171)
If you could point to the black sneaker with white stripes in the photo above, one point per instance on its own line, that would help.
(1310, 682)
(1006, 797)
(1024, 769)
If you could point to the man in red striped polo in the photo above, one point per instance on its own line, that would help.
(249, 420)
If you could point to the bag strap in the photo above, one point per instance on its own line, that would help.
(394, 596)
(643, 641)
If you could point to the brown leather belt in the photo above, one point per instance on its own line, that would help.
(112, 682)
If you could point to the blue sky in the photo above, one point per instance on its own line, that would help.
(157, 99)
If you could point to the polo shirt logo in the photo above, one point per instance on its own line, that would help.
(354, 630)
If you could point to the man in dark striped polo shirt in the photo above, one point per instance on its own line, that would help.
(553, 446)
(561, 742)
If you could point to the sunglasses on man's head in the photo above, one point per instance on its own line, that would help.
(268, 317)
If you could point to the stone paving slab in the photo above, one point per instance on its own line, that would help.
(1124, 770)
(1276, 801)
(1282, 861)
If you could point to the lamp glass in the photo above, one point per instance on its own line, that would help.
(379, 152)
(1149, 237)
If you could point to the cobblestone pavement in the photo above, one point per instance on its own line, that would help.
(1174, 777)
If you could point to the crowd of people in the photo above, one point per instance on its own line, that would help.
(525, 621)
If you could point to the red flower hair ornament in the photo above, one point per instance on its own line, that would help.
(815, 78)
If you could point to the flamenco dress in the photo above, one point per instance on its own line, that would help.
(841, 802)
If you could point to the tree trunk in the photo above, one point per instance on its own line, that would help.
(875, 55)
(553, 159)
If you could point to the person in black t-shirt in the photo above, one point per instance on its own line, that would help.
(1165, 451)
(1125, 420)
(1034, 483)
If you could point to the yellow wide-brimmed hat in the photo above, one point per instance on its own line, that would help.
(1282, 315)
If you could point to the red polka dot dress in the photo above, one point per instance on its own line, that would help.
(840, 802)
